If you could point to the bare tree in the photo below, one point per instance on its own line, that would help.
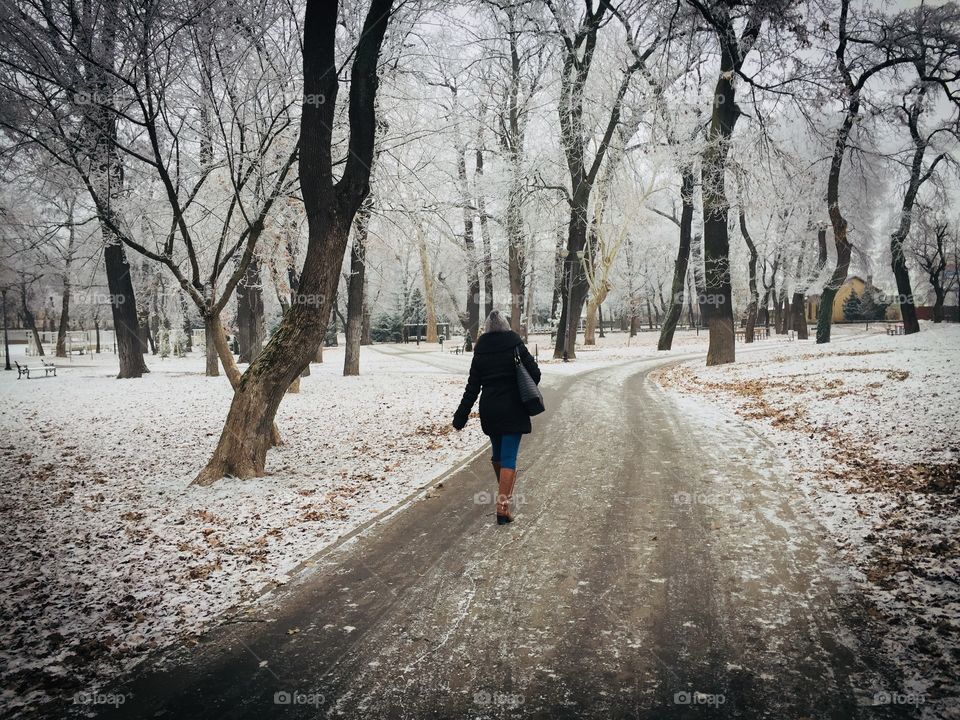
(915, 101)
(579, 38)
(331, 205)
(131, 112)
(881, 43)
(735, 38)
(929, 247)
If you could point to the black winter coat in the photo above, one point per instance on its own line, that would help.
(493, 371)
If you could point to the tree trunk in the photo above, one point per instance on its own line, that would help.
(781, 310)
(699, 282)
(590, 327)
(65, 302)
(751, 319)
(487, 252)
(473, 278)
(243, 322)
(716, 242)
(146, 336)
(576, 240)
(799, 316)
(250, 323)
(187, 325)
(365, 338)
(691, 293)
(355, 287)
(64, 320)
(429, 295)
(153, 323)
(330, 207)
(126, 324)
(28, 318)
(555, 298)
(487, 266)
(212, 367)
(515, 264)
(230, 368)
(682, 262)
(938, 304)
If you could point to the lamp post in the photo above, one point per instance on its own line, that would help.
(569, 332)
(6, 340)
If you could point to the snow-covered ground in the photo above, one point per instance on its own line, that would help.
(107, 550)
(871, 426)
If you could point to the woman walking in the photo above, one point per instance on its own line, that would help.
(502, 414)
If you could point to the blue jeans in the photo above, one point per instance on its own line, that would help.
(505, 448)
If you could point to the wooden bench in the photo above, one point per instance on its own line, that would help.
(894, 329)
(47, 370)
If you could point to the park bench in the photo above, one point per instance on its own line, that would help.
(894, 328)
(46, 369)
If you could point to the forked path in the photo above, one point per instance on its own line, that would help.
(662, 565)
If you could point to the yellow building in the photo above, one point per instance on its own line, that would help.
(852, 283)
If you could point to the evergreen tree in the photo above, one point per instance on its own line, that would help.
(416, 310)
(872, 306)
(387, 327)
(852, 307)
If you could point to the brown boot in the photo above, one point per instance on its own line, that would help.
(505, 492)
(496, 469)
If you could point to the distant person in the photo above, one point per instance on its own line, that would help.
(502, 414)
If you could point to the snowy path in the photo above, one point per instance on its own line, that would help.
(660, 563)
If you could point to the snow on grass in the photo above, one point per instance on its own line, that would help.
(871, 426)
(109, 552)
